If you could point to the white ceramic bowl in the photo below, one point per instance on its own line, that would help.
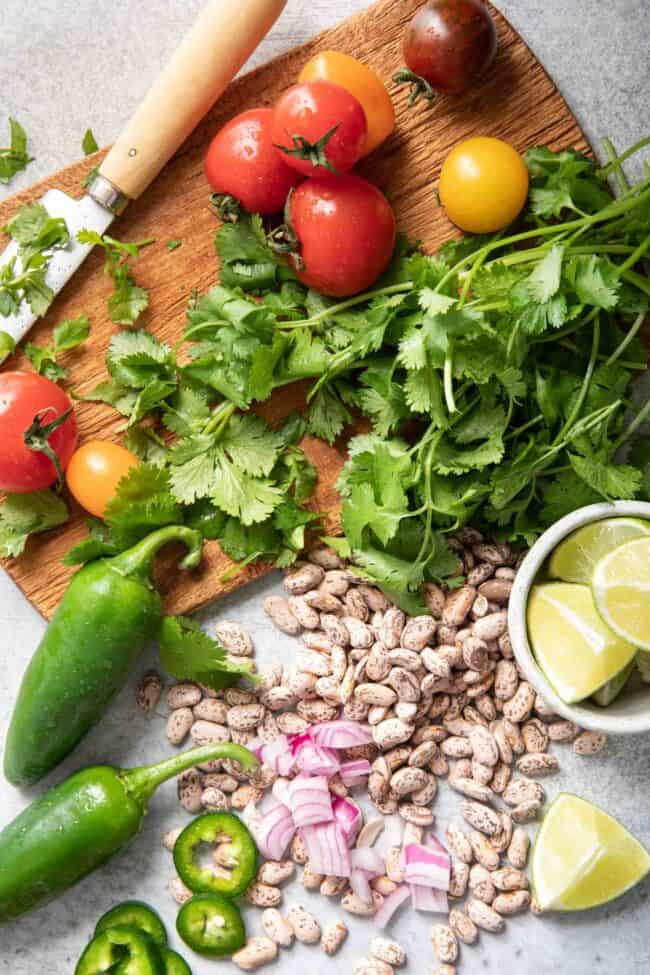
(630, 713)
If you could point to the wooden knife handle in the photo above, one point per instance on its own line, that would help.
(224, 36)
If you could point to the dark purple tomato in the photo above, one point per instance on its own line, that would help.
(450, 43)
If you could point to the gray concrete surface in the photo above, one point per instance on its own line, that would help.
(68, 64)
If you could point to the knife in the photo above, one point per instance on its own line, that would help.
(221, 41)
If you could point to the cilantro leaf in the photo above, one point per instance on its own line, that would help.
(328, 416)
(7, 346)
(173, 245)
(596, 281)
(246, 259)
(611, 481)
(187, 653)
(128, 300)
(15, 158)
(89, 143)
(22, 515)
(143, 502)
(68, 335)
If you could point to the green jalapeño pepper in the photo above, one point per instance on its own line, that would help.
(216, 828)
(174, 964)
(108, 613)
(81, 823)
(121, 951)
(211, 925)
(134, 914)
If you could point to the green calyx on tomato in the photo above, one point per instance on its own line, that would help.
(211, 925)
(226, 207)
(134, 914)
(216, 828)
(420, 87)
(311, 152)
(121, 951)
(37, 436)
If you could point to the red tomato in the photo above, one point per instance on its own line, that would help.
(346, 229)
(23, 397)
(450, 43)
(242, 163)
(319, 126)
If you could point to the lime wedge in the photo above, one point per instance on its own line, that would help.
(582, 857)
(577, 652)
(574, 560)
(621, 588)
(643, 666)
(610, 691)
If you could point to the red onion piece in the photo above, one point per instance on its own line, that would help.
(275, 832)
(312, 759)
(360, 884)
(310, 801)
(328, 850)
(425, 867)
(348, 816)
(355, 772)
(277, 755)
(429, 900)
(368, 860)
(341, 734)
(390, 905)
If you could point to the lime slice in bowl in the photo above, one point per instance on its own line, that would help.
(575, 559)
(608, 693)
(576, 651)
(582, 857)
(621, 588)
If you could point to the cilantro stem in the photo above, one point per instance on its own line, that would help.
(612, 158)
(635, 256)
(220, 417)
(393, 289)
(586, 383)
(638, 322)
(614, 164)
(525, 426)
(639, 419)
(448, 378)
(638, 280)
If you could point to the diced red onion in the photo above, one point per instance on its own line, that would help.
(348, 816)
(280, 790)
(360, 884)
(355, 772)
(437, 843)
(390, 905)
(425, 867)
(341, 734)
(328, 849)
(429, 900)
(369, 860)
(277, 755)
(275, 832)
(315, 760)
(310, 801)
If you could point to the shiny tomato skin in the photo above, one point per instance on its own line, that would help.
(312, 109)
(241, 162)
(362, 82)
(451, 43)
(23, 396)
(346, 230)
(483, 185)
(94, 472)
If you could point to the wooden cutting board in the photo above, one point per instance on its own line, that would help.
(518, 102)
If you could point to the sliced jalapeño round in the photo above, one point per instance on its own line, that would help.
(134, 914)
(213, 828)
(121, 951)
(211, 925)
(174, 964)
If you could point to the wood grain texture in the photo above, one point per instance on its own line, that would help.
(518, 102)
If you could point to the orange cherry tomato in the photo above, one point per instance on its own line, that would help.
(362, 82)
(94, 472)
(483, 185)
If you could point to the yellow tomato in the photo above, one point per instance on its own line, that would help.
(483, 185)
(361, 82)
(94, 472)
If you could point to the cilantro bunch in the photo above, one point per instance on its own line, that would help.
(494, 381)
